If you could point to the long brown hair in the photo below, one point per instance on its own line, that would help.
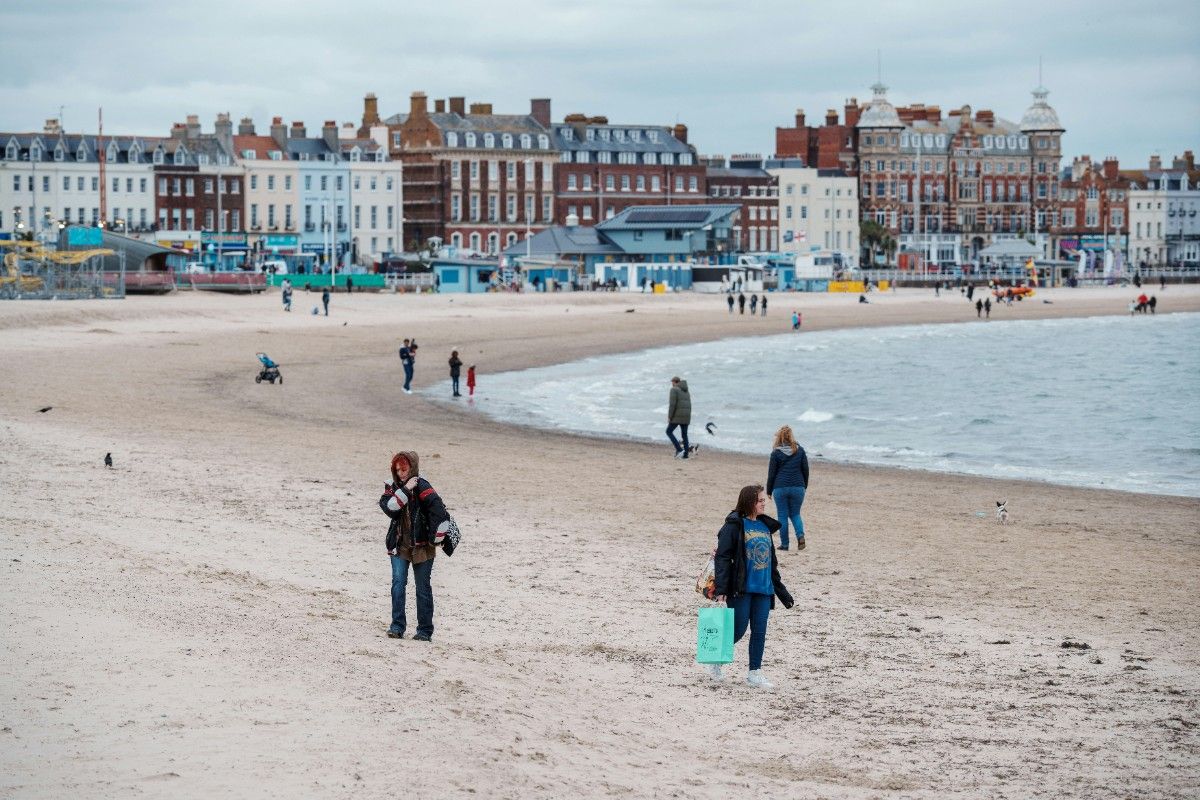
(784, 436)
(748, 499)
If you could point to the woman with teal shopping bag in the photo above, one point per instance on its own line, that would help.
(747, 576)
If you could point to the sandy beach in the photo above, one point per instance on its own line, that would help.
(208, 618)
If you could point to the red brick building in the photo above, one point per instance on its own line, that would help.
(476, 179)
(744, 180)
(604, 168)
(1093, 205)
(186, 180)
(828, 146)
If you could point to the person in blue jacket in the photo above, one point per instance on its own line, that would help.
(787, 481)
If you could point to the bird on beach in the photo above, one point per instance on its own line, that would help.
(44, 410)
(108, 460)
(711, 428)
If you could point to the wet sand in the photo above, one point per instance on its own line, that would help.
(208, 618)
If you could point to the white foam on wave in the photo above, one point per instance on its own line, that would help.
(812, 415)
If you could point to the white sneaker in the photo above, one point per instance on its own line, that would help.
(714, 672)
(759, 681)
(408, 391)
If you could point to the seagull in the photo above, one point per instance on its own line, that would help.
(44, 410)
(711, 428)
(108, 460)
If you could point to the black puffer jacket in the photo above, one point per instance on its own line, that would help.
(427, 516)
(730, 561)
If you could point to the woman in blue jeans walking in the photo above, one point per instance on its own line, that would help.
(787, 480)
(419, 524)
(747, 577)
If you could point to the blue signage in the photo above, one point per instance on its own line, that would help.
(84, 237)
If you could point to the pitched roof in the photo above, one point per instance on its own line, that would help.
(690, 217)
(561, 240)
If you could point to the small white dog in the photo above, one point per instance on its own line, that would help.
(1002, 511)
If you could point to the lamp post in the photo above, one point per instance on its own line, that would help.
(529, 185)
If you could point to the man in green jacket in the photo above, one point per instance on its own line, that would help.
(679, 414)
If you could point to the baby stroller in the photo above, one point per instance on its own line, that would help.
(270, 370)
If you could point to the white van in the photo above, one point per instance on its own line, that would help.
(277, 266)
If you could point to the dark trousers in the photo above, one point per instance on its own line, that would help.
(408, 375)
(421, 575)
(751, 610)
(454, 384)
(671, 435)
(326, 302)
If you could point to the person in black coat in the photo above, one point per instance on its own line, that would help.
(747, 576)
(455, 372)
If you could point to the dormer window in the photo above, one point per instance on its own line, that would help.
(59, 153)
(941, 140)
(470, 139)
(568, 134)
(668, 159)
(489, 140)
(452, 139)
(1024, 142)
(543, 141)
(135, 154)
(223, 160)
(35, 153)
(81, 153)
(159, 156)
(651, 158)
(904, 140)
(10, 152)
(330, 157)
(653, 136)
(526, 141)
(275, 155)
(355, 155)
(506, 141)
(635, 136)
(591, 134)
(249, 155)
(111, 155)
(379, 155)
(605, 134)
(685, 159)
(619, 135)
(202, 159)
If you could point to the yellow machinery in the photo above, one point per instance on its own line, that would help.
(27, 265)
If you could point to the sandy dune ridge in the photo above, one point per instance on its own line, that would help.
(208, 618)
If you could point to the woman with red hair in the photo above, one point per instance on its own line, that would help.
(419, 524)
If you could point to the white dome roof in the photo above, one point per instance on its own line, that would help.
(879, 113)
(1040, 116)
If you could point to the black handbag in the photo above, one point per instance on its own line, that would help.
(452, 538)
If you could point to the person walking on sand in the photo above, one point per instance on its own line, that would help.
(419, 524)
(455, 369)
(747, 577)
(325, 299)
(795, 320)
(729, 298)
(287, 294)
(741, 303)
(753, 305)
(978, 308)
(679, 415)
(471, 380)
(764, 305)
(787, 481)
(987, 308)
(407, 358)
(1153, 304)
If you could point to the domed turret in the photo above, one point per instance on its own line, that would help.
(879, 113)
(1040, 117)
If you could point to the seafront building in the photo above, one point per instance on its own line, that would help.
(944, 186)
(1164, 214)
(1093, 209)
(743, 179)
(817, 208)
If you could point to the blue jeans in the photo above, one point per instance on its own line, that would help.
(421, 574)
(788, 500)
(454, 386)
(671, 435)
(408, 373)
(751, 610)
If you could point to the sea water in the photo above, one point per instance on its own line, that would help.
(1105, 401)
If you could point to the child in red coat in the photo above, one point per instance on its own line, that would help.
(471, 380)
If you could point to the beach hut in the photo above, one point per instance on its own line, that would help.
(465, 275)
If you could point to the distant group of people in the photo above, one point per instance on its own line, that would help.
(741, 303)
(1143, 304)
(982, 306)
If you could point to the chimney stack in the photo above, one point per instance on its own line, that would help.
(246, 127)
(458, 105)
(539, 109)
(831, 117)
(224, 131)
(439, 106)
(934, 114)
(481, 108)
(1111, 169)
(193, 126)
(370, 115)
(1188, 158)
(1155, 163)
(52, 128)
(279, 133)
(799, 117)
(853, 112)
(298, 130)
(418, 106)
(329, 132)
(680, 132)
(178, 130)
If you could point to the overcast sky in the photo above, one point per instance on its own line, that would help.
(1123, 76)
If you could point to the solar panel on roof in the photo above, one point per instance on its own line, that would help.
(665, 215)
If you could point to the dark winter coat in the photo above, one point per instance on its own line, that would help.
(787, 468)
(729, 563)
(455, 367)
(679, 407)
(422, 515)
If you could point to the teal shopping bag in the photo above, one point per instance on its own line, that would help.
(714, 636)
